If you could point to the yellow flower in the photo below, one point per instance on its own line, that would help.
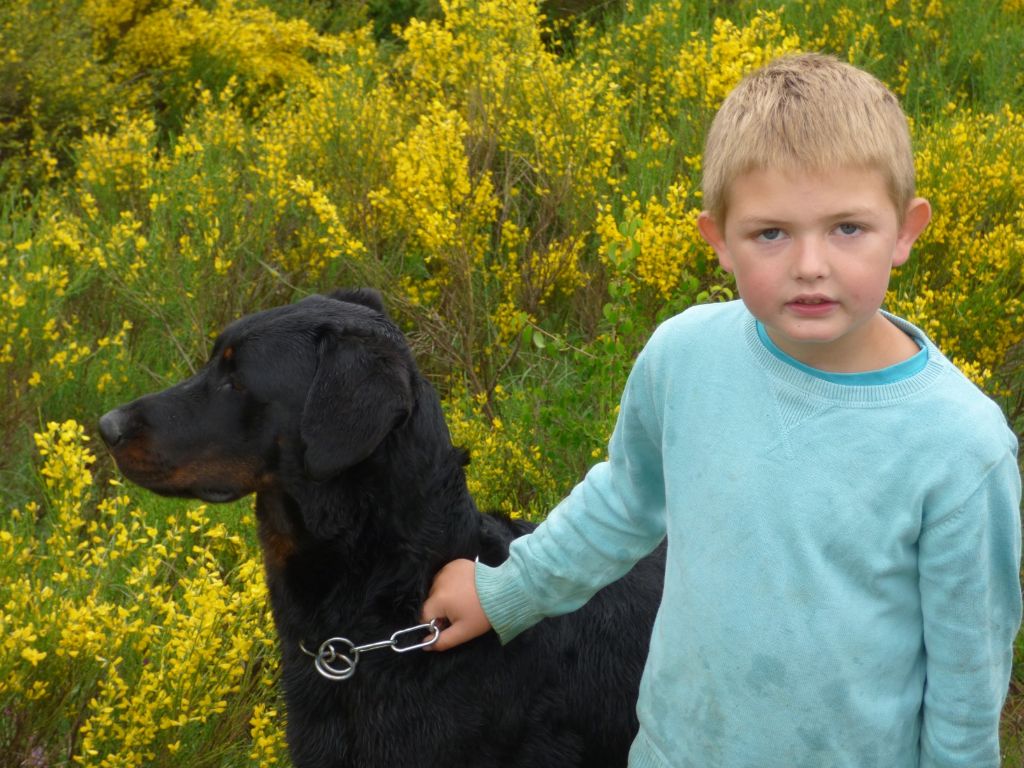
(32, 656)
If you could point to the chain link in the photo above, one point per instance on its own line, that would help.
(335, 665)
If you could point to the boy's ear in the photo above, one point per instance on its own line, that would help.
(919, 213)
(714, 237)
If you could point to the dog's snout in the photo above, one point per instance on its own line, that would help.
(113, 426)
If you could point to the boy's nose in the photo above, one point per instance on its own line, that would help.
(810, 261)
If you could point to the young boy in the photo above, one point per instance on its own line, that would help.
(841, 504)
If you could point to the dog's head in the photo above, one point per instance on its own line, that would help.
(321, 382)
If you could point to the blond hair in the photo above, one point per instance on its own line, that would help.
(808, 112)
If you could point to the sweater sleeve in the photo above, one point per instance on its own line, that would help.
(611, 519)
(969, 565)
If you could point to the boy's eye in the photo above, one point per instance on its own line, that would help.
(770, 235)
(848, 229)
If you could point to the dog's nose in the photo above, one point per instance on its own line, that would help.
(113, 426)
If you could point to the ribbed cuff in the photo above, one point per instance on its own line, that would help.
(506, 603)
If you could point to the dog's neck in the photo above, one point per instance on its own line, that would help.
(364, 546)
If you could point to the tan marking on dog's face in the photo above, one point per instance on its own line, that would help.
(239, 476)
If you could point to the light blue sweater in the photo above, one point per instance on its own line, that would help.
(842, 582)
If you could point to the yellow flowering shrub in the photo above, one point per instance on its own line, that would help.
(538, 135)
(962, 284)
(432, 188)
(119, 164)
(657, 242)
(708, 70)
(162, 48)
(150, 636)
(507, 470)
(251, 42)
(52, 90)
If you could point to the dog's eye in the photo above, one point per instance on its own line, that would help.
(233, 383)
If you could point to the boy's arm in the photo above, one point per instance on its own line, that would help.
(610, 520)
(969, 564)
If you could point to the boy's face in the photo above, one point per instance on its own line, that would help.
(811, 254)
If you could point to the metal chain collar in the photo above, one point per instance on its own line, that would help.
(335, 665)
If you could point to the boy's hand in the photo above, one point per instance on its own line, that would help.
(453, 598)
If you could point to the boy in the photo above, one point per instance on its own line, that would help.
(841, 504)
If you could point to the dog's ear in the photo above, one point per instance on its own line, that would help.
(368, 297)
(360, 392)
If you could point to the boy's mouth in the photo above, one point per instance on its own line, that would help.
(811, 305)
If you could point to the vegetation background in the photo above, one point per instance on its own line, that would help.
(521, 183)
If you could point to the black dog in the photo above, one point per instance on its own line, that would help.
(319, 409)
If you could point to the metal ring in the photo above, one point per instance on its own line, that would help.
(327, 655)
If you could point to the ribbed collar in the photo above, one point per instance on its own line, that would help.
(844, 394)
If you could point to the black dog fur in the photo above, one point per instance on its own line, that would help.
(319, 409)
